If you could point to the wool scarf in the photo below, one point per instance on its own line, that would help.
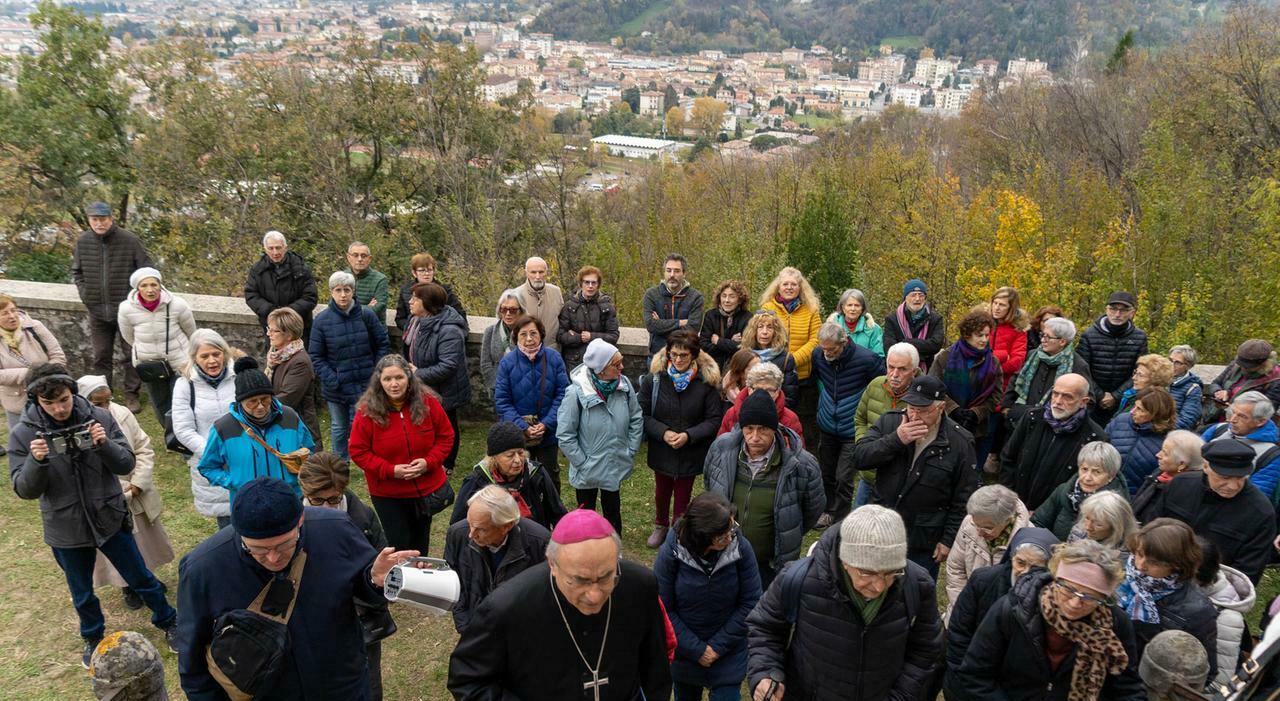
(13, 339)
(791, 306)
(513, 487)
(970, 374)
(905, 323)
(766, 354)
(1098, 651)
(1139, 592)
(681, 380)
(1077, 495)
(211, 380)
(603, 387)
(276, 356)
(1067, 425)
(1062, 363)
(149, 306)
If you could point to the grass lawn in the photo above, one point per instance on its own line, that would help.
(814, 121)
(904, 42)
(638, 22)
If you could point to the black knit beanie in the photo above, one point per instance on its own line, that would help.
(504, 436)
(250, 381)
(759, 410)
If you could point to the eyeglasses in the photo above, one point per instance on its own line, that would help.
(883, 576)
(590, 283)
(728, 536)
(282, 548)
(360, 255)
(423, 270)
(766, 312)
(1182, 363)
(1079, 595)
(505, 311)
(1049, 337)
(325, 501)
(679, 355)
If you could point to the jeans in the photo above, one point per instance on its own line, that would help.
(122, 551)
(835, 458)
(103, 334)
(664, 488)
(924, 558)
(610, 504)
(341, 414)
(693, 692)
(864, 494)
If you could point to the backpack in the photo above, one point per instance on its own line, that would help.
(249, 645)
(792, 578)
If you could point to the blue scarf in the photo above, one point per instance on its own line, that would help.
(1139, 592)
(681, 379)
(605, 388)
(213, 381)
(791, 306)
(766, 354)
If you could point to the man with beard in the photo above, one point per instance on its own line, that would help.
(1041, 453)
(884, 394)
(542, 300)
(671, 304)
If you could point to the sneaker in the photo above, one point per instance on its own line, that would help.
(132, 601)
(132, 404)
(89, 646)
(169, 634)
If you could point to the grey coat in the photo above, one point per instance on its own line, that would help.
(492, 348)
(799, 500)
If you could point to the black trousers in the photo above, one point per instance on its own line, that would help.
(610, 504)
(104, 334)
(452, 457)
(835, 457)
(405, 522)
(549, 457)
(807, 411)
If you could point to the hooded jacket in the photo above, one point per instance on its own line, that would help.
(599, 437)
(1138, 445)
(802, 333)
(193, 423)
(833, 653)
(1263, 440)
(1111, 356)
(671, 308)
(526, 546)
(1233, 595)
(970, 551)
(378, 449)
(345, 345)
(841, 383)
(536, 488)
(101, 266)
(696, 411)
(866, 333)
(716, 323)
(440, 354)
(1035, 460)
(163, 334)
(36, 346)
(594, 314)
(531, 388)
(290, 283)
(1058, 515)
(231, 458)
(406, 291)
(1188, 393)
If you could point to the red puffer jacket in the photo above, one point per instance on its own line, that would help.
(378, 449)
(1009, 345)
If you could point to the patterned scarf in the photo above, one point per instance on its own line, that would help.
(905, 325)
(276, 356)
(791, 306)
(13, 339)
(603, 388)
(531, 354)
(1139, 592)
(967, 388)
(1098, 651)
(1067, 425)
(1062, 361)
(681, 379)
(410, 335)
(766, 354)
(513, 487)
(1077, 495)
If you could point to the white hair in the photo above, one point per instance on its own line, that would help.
(995, 502)
(1185, 447)
(507, 294)
(764, 374)
(274, 235)
(1103, 455)
(831, 332)
(498, 503)
(342, 278)
(906, 349)
(1061, 327)
(1262, 407)
(533, 259)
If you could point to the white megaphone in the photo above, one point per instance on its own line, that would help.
(435, 589)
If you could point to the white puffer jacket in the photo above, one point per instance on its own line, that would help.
(192, 429)
(145, 330)
(970, 551)
(1233, 595)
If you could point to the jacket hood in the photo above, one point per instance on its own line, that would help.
(1267, 432)
(728, 556)
(1025, 593)
(35, 417)
(447, 317)
(1042, 537)
(1187, 378)
(1232, 590)
(866, 321)
(581, 378)
(708, 371)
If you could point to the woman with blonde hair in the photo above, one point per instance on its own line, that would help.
(1153, 371)
(765, 336)
(202, 395)
(799, 311)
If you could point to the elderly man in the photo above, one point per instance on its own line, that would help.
(856, 619)
(281, 279)
(671, 304)
(507, 465)
(902, 365)
(916, 323)
(843, 370)
(490, 546)
(775, 485)
(1253, 369)
(553, 633)
(541, 299)
(105, 257)
(1222, 505)
(1054, 358)
(1111, 347)
(1041, 452)
(925, 470)
(767, 378)
(371, 285)
(1249, 421)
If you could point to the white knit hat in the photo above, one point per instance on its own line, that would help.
(598, 354)
(873, 538)
(142, 274)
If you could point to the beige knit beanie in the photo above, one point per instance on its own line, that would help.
(873, 538)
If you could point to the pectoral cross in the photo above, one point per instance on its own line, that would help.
(595, 684)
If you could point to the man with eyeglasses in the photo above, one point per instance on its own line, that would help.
(671, 304)
(270, 527)
(1041, 453)
(371, 285)
(541, 299)
(1054, 358)
(855, 619)
(585, 624)
(1111, 346)
(280, 279)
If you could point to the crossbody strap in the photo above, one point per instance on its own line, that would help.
(295, 576)
(253, 434)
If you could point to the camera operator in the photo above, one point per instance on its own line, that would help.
(69, 454)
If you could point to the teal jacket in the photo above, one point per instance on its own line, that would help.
(868, 335)
(599, 438)
(231, 458)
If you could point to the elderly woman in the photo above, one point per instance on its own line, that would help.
(157, 325)
(423, 268)
(1009, 336)
(24, 344)
(507, 464)
(1180, 452)
(1153, 370)
(708, 582)
(1053, 358)
(973, 378)
(1139, 433)
(800, 314)
(722, 325)
(587, 314)
(734, 378)
(400, 438)
(851, 314)
(1187, 387)
(915, 322)
(531, 384)
(765, 336)
(1048, 311)
(139, 493)
(289, 367)
(1098, 470)
(1253, 370)
(1107, 518)
(202, 395)
(994, 515)
(600, 428)
(1234, 596)
(1055, 636)
(680, 401)
(764, 377)
(1159, 591)
(499, 337)
(347, 339)
(436, 345)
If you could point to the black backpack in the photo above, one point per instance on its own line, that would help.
(249, 645)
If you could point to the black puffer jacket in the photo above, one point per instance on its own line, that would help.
(1036, 460)
(715, 323)
(1006, 660)
(833, 654)
(597, 315)
(526, 547)
(1186, 609)
(406, 291)
(696, 411)
(101, 266)
(289, 284)
(1111, 356)
(440, 354)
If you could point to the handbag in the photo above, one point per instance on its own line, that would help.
(291, 460)
(157, 371)
(249, 645)
(170, 436)
(439, 500)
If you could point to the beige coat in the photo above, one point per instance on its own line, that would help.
(971, 551)
(147, 502)
(14, 366)
(545, 308)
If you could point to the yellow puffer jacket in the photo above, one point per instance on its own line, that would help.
(802, 334)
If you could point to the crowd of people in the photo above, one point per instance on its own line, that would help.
(1084, 497)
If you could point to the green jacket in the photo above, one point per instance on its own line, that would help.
(1057, 514)
(876, 400)
(372, 284)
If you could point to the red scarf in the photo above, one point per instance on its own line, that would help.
(149, 306)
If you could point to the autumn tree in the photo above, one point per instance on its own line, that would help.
(707, 116)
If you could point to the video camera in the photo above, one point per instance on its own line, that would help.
(70, 440)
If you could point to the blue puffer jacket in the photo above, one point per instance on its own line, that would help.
(1264, 477)
(841, 383)
(1138, 445)
(708, 608)
(531, 387)
(231, 458)
(440, 354)
(1188, 392)
(345, 345)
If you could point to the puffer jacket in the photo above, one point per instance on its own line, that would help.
(970, 551)
(406, 291)
(534, 486)
(866, 333)
(101, 266)
(596, 315)
(1188, 394)
(799, 500)
(192, 428)
(1266, 462)
(1058, 515)
(440, 354)
(671, 308)
(708, 607)
(1035, 460)
(493, 346)
(834, 654)
(696, 411)
(1187, 609)
(1233, 595)
(531, 388)
(1006, 659)
(36, 346)
(876, 401)
(526, 547)
(599, 437)
(378, 449)
(1111, 357)
(81, 504)
(1009, 346)
(716, 323)
(345, 345)
(290, 284)
(841, 383)
(786, 417)
(1138, 445)
(802, 333)
(150, 333)
(231, 458)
